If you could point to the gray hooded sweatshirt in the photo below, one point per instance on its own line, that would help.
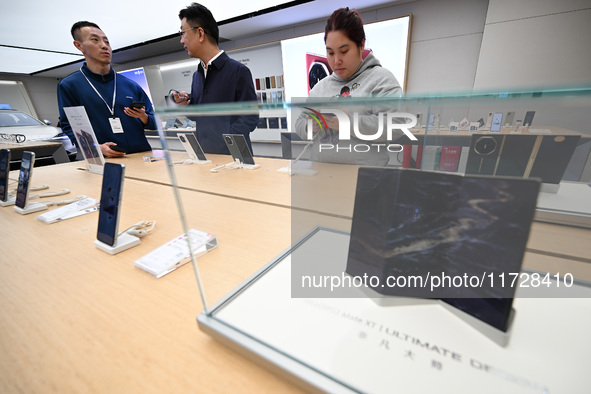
(371, 79)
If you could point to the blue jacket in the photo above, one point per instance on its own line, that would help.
(227, 81)
(74, 91)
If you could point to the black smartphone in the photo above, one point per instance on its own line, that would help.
(238, 148)
(138, 104)
(116, 148)
(111, 193)
(4, 171)
(529, 118)
(24, 179)
(192, 146)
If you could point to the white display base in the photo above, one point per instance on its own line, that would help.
(200, 162)
(124, 241)
(9, 201)
(549, 188)
(296, 171)
(31, 208)
(190, 161)
(236, 165)
(570, 205)
(356, 345)
(249, 166)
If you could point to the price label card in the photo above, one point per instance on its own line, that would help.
(175, 253)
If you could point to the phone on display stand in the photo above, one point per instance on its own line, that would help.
(193, 148)
(108, 240)
(497, 121)
(238, 148)
(4, 171)
(240, 152)
(24, 181)
(111, 193)
(509, 118)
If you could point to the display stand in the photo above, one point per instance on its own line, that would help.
(290, 170)
(570, 205)
(199, 162)
(550, 188)
(191, 161)
(236, 165)
(124, 241)
(31, 208)
(9, 201)
(344, 344)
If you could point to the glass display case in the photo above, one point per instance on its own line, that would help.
(280, 287)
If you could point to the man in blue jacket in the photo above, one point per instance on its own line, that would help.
(218, 79)
(106, 96)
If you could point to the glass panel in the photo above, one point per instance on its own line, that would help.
(259, 211)
(542, 134)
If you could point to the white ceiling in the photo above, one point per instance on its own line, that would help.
(36, 34)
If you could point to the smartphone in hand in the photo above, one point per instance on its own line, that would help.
(116, 148)
(137, 104)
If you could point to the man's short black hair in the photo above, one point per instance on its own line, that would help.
(199, 16)
(75, 30)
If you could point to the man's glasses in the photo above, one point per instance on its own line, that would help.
(182, 32)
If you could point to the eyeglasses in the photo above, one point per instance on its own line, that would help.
(182, 32)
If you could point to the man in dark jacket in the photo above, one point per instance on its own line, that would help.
(218, 79)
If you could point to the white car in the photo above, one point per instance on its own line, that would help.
(17, 126)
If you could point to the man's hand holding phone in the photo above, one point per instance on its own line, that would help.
(137, 109)
(110, 149)
(181, 98)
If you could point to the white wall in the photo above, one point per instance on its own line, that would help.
(15, 95)
(534, 44)
(39, 92)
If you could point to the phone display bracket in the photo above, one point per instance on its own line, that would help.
(191, 161)
(9, 201)
(238, 164)
(30, 208)
(124, 241)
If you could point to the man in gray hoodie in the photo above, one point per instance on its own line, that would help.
(355, 73)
